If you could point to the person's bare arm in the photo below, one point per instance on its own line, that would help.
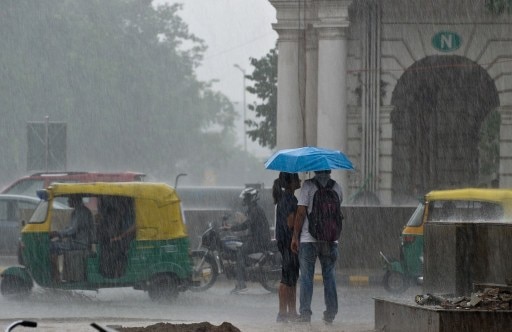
(298, 222)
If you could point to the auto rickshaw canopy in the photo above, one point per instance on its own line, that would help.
(501, 196)
(483, 194)
(158, 214)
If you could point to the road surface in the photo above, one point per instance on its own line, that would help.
(254, 311)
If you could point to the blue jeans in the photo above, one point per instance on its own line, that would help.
(327, 253)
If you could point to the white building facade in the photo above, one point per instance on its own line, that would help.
(407, 88)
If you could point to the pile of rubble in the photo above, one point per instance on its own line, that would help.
(487, 299)
(194, 327)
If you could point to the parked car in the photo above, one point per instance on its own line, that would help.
(14, 209)
(29, 184)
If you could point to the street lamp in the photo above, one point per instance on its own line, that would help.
(244, 106)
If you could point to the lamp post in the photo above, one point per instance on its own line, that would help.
(46, 142)
(244, 107)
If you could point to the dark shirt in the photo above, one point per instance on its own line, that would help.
(81, 228)
(257, 226)
(286, 206)
(80, 233)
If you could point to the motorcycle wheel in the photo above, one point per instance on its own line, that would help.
(14, 288)
(395, 282)
(270, 273)
(204, 272)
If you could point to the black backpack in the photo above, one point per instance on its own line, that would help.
(325, 218)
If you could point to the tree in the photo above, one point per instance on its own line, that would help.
(121, 74)
(264, 77)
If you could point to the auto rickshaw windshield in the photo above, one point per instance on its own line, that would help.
(417, 217)
(40, 213)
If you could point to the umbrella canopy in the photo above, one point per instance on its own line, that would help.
(308, 159)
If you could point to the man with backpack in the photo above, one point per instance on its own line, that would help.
(316, 231)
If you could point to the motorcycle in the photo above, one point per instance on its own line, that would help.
(216, 254)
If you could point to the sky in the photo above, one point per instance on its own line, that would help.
(235, 31)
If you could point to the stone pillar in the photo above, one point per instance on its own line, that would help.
(385, 174)
(290, 105)
(332, 74)
(311, 88)
(505, 173)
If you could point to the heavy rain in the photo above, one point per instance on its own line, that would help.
(153, 122)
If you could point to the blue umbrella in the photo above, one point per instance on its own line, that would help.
(308, 159)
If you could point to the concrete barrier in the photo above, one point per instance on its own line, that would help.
(478, 253)
(366, 229)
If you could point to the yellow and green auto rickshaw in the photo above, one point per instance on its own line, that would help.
(470, 204)
(137, 238)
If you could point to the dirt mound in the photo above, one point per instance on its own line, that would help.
(194, 327)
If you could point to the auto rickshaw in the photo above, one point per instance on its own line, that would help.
(409, 268)
(468, 204)
(154, 258)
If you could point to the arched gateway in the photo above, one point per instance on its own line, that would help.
(417, 93)
(440, 104)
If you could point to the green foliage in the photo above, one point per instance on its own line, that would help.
(121, 74)
(264, 77)
(499, 7)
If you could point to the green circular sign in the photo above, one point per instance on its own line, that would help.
(446, 41)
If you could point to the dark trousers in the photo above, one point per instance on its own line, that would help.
(240, 268)
(241, 255)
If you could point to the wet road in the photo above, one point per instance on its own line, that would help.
(254, 311)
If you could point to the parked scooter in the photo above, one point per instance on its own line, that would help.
(217, 254)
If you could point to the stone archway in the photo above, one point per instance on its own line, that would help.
(439, 104)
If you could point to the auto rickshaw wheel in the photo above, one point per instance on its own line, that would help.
(205, 271)
(163, 288)
(14, 287)
(395, 282)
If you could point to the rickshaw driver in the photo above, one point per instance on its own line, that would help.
(79, 235)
